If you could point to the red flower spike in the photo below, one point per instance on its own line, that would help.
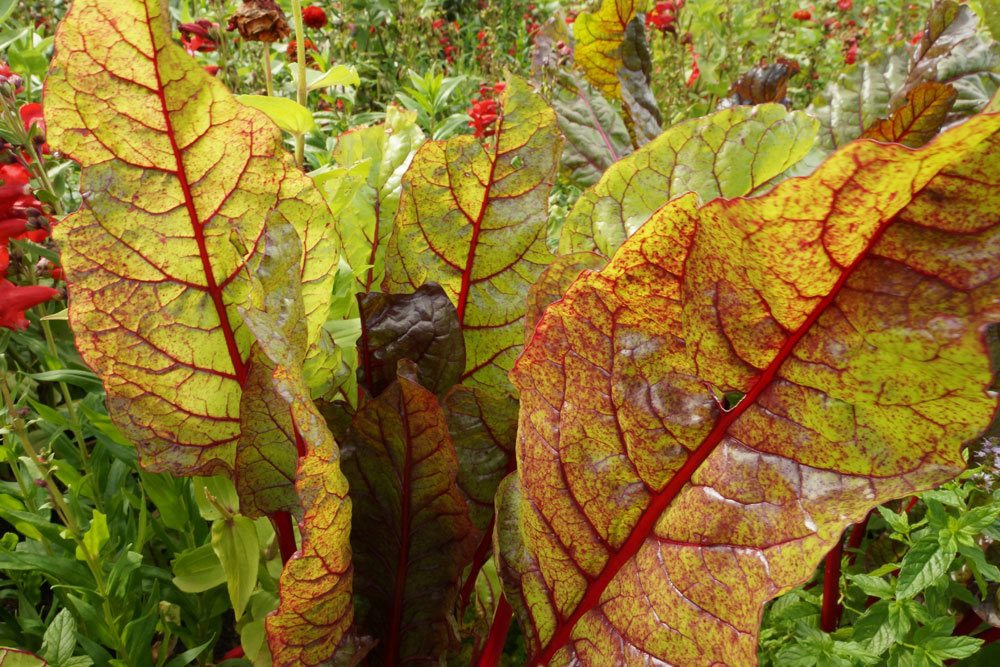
(314, 17)
(801, 15)
(14, 300)
(197, 36)
(851, 56)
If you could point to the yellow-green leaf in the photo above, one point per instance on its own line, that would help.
(287, 114)
(599, 37)
(234, 540)
(94, 539)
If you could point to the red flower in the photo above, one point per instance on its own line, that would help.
(802, 15)
(212, 69)
(314, 17)
(851, 55)
(845, 5)
(14, 300)
(14, 187)
(695, 71)
(198, 36)
(916, 38)
(662, 17)
(292, 50)
(438, 24)
(483, 113)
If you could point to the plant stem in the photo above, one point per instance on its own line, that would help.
(857, 536)
(268, 84)
(830, 612)
(300, 59)
(74, 418)
(493, 648)
(286, 534)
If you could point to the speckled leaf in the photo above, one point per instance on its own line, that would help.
(553, 283)
(952, 51)
(413, 535)
(422, 327)
(647, 524)
(178, 179)
(729, 153)
(596, 135)
(365, 221)
(10, 657)
(919, 119)
(472, 218)
(641, 109)
(599, 36)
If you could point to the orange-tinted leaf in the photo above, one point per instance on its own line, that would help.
(919, 119)
(647, 523)
(599, 36)
(178, 179)
(553, 283)
(413, 536)
(472, 218)
(422, 327)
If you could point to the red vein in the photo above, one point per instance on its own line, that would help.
(213, 289)
(402, 561)
(463, 294)
(647, 520)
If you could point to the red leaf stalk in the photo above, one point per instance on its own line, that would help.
(493, 648)
(830, 613)
(483, 553)
(286, 534)
(857, 536)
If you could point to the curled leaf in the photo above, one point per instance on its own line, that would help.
(919, 119)
(599, 36)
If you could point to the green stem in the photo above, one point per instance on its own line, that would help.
(300, 58)
(268, 85)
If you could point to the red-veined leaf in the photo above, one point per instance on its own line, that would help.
(415, 536)
(178, 179)
(472, 218)
(599, 36)
(919, 119)
(647, 523)
(553, 283)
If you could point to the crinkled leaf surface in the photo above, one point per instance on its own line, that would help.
(364, 222)
(472, 218)
(178, 180)
(422, 327)
(642, 111)
(858, 98)
(596, 135)
(729, 153)
(919, 119)
(646, 524)
(599, 36)
(414, 536)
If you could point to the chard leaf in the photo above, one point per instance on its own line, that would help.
(599, 37)
(472, 218)
(919, 119)
(642, 111)
(709, 156)
(596, 135)
(178, 180)
(553, 283)
(422, 327)
(417, 536)
(646, 523)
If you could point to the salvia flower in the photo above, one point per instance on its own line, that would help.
(851, 54)
(15, 299)
(662, 17)
(485, 110)
(314, 16)
(199, 36)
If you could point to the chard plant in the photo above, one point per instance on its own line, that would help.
(422, 437)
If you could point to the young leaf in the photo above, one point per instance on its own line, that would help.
(178, 180)
(926, 562)
(287, 114)
(472, 218)
(95, 538)
(919, 119)
(364, 222)
(644, 521)
(599, 36)
(596, 135)
(234, 540)
(417, 537)
(422, 327)
(59, 641)
(198, 570)
(709, 156)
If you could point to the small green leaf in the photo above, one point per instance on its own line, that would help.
(338, 75)
(60, 639)
(876, 586)
(198, 570)
(95, 538)
(898, 522)
(921, 566)
(287, 114)
(952, 647)
(235, 543)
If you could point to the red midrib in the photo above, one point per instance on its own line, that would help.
(211, 286)
(647, 521)
(402, 562)
(463, 294)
